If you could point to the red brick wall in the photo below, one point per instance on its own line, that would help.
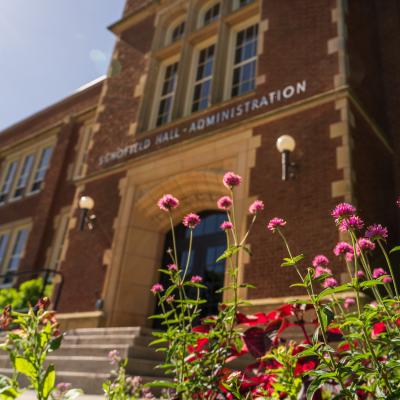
(305, 202)
(83, 269)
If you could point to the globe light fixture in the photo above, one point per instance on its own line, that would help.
(286, 145)
(86, 204)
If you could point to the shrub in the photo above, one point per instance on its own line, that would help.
(32, 337)
(27, 294)
(364, 362)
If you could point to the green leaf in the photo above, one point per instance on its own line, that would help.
(328, 291)
(229, 252)
(372, 282)
(298, 285)
(327, 316)
(397, 248)
(56, 343)
(48, 381)
(24, 366)
(290, 262)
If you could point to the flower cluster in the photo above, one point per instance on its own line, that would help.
(231, 180)
(191, 220)
(275, 223)
(168, 202)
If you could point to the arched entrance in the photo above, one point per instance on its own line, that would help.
(209, 242)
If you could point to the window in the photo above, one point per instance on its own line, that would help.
(17, 251)
(41, 169)
(12, 246)
(177, 32)
(8, 180)
(24, 173)
(243, 3)
(23, 176)
(164, 113)
(245, 61)
(203, 79)
(211, 14)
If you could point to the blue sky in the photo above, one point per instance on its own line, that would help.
(49, 48)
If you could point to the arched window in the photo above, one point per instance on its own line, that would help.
(176, 31)
(209, 242)
(210, 13)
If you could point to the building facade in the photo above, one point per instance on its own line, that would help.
(197, 88)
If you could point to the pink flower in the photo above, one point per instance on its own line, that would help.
(329, 283)
(320, 261)
(168, 202)
(364, 245)
(376, 232)
(157, 288)
(353, 222)
(231, 180)
(226, 225)
(387, 279)
(319, 271)
(349, 257)
(172, 267)
(256, 207)
(398, 202)
(343, 248)
(360, 274)
(114, 357)
(191, 220)
(348, 302)
(224, 203)
(343, 210)
(170, 299)
(275, 223)
(377, 272)
(196, 279)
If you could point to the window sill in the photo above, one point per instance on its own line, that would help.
(168, 51)
(203, 33)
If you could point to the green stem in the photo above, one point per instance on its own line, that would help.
(390, 267)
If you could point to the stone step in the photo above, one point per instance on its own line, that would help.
(135, 330)
(98, 365)
(108, 339)
(125, 350)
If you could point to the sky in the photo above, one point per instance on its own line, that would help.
(49, 48)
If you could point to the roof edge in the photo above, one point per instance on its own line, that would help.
(85, 89)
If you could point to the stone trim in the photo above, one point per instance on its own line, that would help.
(192, 172)
(343, 187)
(338, 44)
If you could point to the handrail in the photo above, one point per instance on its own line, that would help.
(48, 273)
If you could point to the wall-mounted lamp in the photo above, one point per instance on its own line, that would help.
(87, 217)
(285, 145)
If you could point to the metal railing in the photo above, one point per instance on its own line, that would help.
(48, 279)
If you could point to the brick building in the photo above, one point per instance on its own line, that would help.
(197, 88)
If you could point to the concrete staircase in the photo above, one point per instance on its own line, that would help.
(82, 359)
